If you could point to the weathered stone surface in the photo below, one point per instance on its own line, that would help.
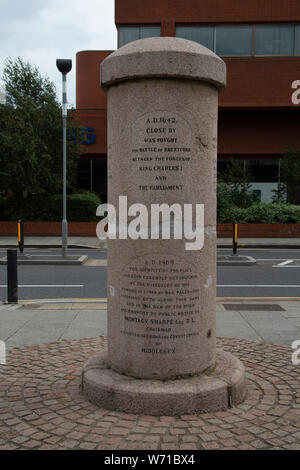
(162, 149)
(208, 392)
(163, 57)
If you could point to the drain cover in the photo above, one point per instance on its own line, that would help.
(254, 307)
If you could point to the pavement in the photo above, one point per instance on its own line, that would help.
(94, 242)
(35, 323)
(52, 242)
(275, 321)
(42, 406)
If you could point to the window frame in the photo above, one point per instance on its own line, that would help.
(206, 25)
(233, 25)
(254, 39)
(139, 26)
(276, 55)
(295, 25)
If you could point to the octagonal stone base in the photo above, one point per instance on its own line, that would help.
(214, 391)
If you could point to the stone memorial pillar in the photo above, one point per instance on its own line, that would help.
(162, 149)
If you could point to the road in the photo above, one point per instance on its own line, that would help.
(276, 275)
(56, 282)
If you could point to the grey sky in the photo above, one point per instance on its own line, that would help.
(40, 31)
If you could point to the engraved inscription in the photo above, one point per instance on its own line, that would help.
(160, 304)
(161, 152)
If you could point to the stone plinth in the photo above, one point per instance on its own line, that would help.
(162, 149)
(222, 387)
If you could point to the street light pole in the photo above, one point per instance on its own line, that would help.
(64, 66)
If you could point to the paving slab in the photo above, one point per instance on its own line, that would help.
(232, 324)
(42, 327)
(33, 323)
(28, 259)
(296, 322)
(51, 242)
(272, 326)
(12, 321)
(86, 324)
(291, 309)
(94, 242)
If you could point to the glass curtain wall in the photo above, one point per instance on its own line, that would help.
(245, 40)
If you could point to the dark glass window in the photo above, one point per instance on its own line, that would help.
(263, 170)
(234, 40)
(274, 39)
(297, 39)
(92, 176)
(84, 174)
(99, 178)
(202, 34)
(128, 34)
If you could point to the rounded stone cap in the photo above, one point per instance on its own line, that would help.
(163, 57)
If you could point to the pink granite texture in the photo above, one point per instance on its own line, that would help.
(215, 391)
(162, 149)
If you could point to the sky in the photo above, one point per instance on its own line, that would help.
(41, 31)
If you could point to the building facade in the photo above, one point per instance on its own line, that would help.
(258, 112)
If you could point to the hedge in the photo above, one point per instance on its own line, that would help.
(261, 214)
(80, 208)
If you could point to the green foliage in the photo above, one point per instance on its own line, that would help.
(237, 179)
(41, 208)
(31, 136)
(224, 199)
(279, 194)
(231, 214)
(262, 214)
(290, 174)
(80, 208)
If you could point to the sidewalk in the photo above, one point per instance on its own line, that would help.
(269, 321)
(42, 406)
(52, 242)
(94, 242)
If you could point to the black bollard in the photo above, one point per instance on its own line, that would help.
(12, 276)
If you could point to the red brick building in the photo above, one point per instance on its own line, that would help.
(260, 42)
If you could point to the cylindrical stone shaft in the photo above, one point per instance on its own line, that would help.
(162, 149)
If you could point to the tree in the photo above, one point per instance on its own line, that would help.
(237, 179)
(279, 194)
(224, 199)
(31, 136)
(290, 174)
